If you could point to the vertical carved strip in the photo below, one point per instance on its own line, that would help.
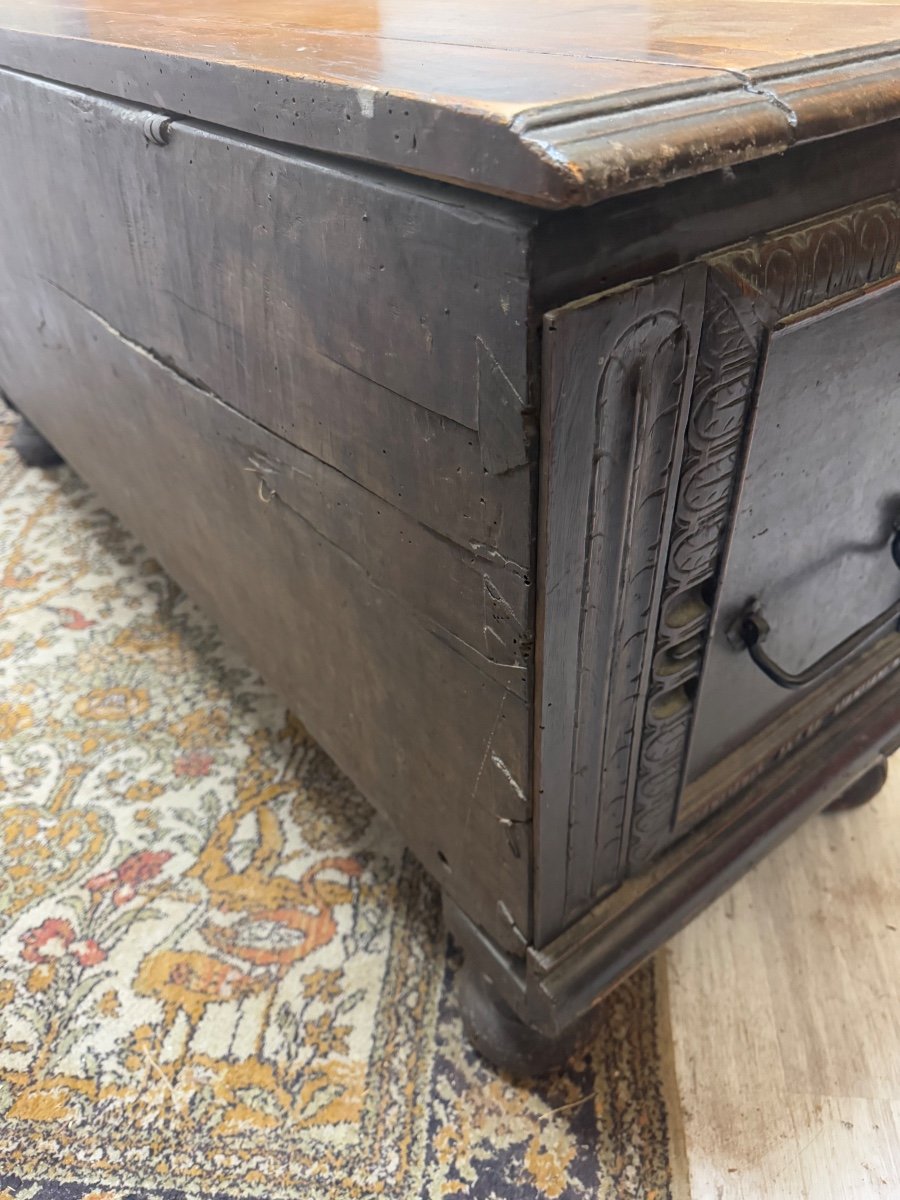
(726, 370)
(636, 439)
(618, 371)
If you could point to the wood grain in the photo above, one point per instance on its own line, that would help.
(784, 1012)
(242, 296)
(558, 105)
(273, 304)
(310, 574)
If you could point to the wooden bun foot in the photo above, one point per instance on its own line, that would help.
(32, 447)
(501, 1037)
(863, 789)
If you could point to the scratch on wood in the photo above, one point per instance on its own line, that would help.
(494, 592)
(495, 366)
(446, 636)
(489, 629)
(501, 415)
(336, 362)
(201, 313)
(508, 776)
(366, 99)
(453, 642)
(506, 916)
(160, 360)
(483, 551)
(484, 757)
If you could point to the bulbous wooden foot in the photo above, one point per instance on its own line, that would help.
(501, 1037)
(863, 789)
(32, 447)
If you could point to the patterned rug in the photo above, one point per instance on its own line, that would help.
(220, 974)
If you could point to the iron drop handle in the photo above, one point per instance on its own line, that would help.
(751, 629)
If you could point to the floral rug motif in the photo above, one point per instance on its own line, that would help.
(220, 974)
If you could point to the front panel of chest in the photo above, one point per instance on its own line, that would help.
(720, 501)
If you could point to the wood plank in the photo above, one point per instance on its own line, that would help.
(362, 44)
(558, 105)
(785, 1018)
(276, 552)
(370, 325)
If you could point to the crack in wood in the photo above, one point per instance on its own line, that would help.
(160, 360)
(477, 549)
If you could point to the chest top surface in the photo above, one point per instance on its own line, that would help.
(554, 104)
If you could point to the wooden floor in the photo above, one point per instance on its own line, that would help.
(785, 1016)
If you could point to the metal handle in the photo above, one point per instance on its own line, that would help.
(751, 629)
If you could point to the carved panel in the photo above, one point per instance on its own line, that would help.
(809, 264)
(750, 288)
(618, 370)
(726, 371)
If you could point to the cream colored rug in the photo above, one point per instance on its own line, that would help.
(220, 974)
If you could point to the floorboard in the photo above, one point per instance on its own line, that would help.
(785, 1018)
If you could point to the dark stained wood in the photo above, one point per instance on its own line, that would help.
(495, 1029)
(587, 250)
(557, 105)
(736, 772)
(753, 287)
(644, 912)
(623, 810)
(616, 373)
(812, 548)
(276, 338)
(863, 789)
(311, 576)
(270, 306)
(32, 447)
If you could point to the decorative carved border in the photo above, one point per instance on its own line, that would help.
(618, 370)
(750, 289)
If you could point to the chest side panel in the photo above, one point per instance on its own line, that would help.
(305, 390)
(752, 289)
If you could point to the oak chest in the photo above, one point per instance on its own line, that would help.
(521, 389)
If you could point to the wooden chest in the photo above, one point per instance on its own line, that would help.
(520, 389)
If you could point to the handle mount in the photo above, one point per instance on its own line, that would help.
(751, 629)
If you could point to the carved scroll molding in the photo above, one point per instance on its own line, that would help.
(750, 288)
(617, 373)
(808, 264)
